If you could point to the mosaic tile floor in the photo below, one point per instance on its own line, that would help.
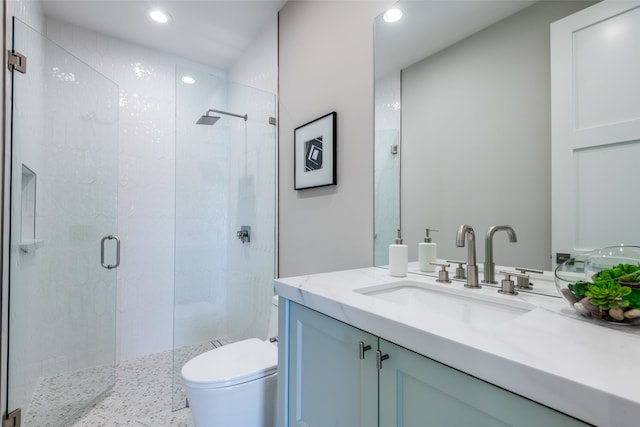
(143, 395)
(57, 398)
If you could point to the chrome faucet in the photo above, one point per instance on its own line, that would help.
(489, 265)
(465, 231)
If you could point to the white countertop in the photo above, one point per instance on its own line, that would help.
(550, 354)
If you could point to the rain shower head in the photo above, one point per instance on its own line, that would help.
(207, 120)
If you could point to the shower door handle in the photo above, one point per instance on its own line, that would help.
(105, 238)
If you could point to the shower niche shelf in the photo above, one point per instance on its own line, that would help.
(28, 247)
(28, 241)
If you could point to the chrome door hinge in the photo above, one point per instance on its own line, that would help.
(273, 121)
(12, 420)
(17, 61)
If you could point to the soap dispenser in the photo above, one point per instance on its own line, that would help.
(427, 253)
(398, 258)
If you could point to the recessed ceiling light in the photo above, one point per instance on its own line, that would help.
(392, 15)
(188, 80)
(159, 16)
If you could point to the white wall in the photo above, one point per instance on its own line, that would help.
(326, 64)
(258, 66)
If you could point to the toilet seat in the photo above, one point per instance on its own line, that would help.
(232, 364)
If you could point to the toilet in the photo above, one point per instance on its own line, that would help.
(236, 384)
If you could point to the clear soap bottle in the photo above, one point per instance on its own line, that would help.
(427, 253)
(398, 258)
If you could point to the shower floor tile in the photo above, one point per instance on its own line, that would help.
(141, 396)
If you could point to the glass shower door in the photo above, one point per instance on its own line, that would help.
(225, 183)
(63, 249)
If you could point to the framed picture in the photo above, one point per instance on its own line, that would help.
(314, 153)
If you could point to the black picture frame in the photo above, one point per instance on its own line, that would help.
(314, 153)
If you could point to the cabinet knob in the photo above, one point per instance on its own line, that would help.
(379, 358)
(362, 348)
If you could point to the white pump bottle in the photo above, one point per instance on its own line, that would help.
(398, 258)
(427, 253)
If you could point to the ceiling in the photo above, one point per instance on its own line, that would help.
(217, 32)
(211, 32)
(430, 26)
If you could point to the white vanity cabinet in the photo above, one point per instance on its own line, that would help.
(329, 384)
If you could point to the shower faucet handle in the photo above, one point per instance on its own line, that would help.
(244, 233)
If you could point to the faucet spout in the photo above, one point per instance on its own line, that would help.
(489, 265)
(466, 232)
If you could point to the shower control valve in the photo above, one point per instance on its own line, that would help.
(244, 233)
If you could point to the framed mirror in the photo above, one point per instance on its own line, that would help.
(463, 127)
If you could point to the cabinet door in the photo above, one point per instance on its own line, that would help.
(328, 383)
(418, 392)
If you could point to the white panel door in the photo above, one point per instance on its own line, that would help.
(595, 97)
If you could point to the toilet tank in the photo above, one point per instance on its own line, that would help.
(273, 318)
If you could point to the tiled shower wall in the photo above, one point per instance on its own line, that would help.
(253, 199)
(387, 165)
(147, 178)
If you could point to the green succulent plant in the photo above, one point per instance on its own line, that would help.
(633, 298)
(607, 294)
(579, 289)
(620, 272)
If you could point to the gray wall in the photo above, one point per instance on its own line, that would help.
(326, 64)
(476, 140)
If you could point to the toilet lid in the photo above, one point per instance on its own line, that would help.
(231, 364)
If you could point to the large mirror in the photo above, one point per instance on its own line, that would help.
(463, 127)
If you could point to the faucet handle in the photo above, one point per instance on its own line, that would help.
(522, 282)
(443, 274)
(460, 271)
(507, 287)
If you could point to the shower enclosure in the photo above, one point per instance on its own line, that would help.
(387, 165)
(63, 220)
(225, 215)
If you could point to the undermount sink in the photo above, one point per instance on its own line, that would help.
(462, 305)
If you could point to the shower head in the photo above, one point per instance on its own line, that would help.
(207, 120)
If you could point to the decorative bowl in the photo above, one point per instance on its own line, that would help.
(603, 284)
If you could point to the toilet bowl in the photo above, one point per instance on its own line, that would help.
(236, 384)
